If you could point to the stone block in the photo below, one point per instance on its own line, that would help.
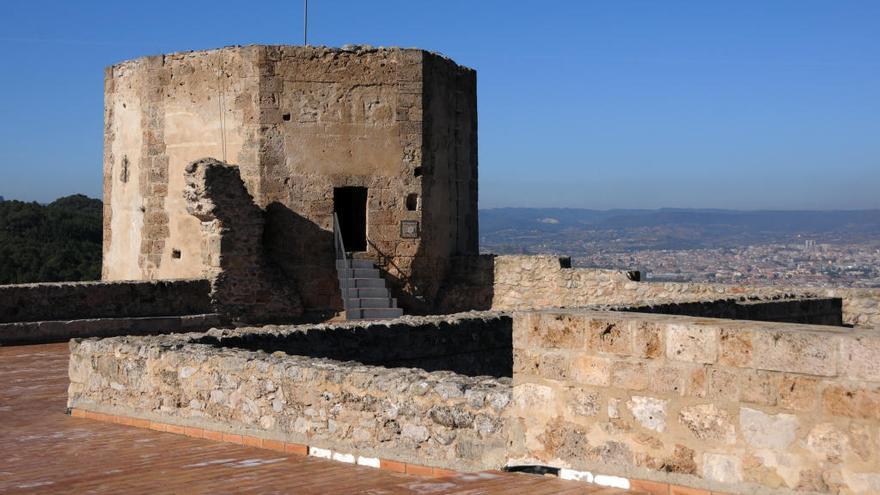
(650, 412)
(860, 358)
(648, 339)
(796, 351)
(724, 384)
(758, 387)
(851, 401)
(795, 392)
(559, 331)
(694, 344)
(630, 375)
(708, 422)
(591, 370)
(722, 468)
(768, 431)
(609, 337)
(735, 347)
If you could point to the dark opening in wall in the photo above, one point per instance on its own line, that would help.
(350, 206)
(417, 172)
(412, 201)
(285, 117)
(175, 253)
(470, 346)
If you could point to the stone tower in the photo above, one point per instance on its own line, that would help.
(387, 138)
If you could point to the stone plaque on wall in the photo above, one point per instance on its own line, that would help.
(409, 229)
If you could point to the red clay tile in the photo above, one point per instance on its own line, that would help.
(177, 430)
(212, 435)
(228, 437)
(296, 448)
(193, 432)
(439, 472)
(273, 445)
(419, 470)
(397, 467)
(684, 490)
(252, 441)
(77, 413)
(157, 426)
(651, 487)
(140, 423)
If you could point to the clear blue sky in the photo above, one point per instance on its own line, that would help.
(614, 104)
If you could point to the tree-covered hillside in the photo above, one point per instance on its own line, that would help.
(50, 243)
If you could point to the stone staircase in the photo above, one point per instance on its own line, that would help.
(364, 292)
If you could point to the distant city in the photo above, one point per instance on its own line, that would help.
(760, 248)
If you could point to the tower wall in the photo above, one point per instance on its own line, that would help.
(298, 122)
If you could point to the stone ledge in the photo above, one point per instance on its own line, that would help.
(33, 332)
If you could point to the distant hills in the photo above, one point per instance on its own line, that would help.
(569, 230)
(558, 219)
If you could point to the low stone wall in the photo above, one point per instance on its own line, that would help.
(506, 283)
(85, 300)
(410, 415)
(474, 345)
(734, 406)
(810, 310)
(41, 332)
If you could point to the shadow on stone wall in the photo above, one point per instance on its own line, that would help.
(469, 285)
(304, 253)
(473, 347)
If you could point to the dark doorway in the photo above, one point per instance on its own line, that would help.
(350, 205)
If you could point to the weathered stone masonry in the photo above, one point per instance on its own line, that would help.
(243, 284)
(299, 122)
(731, 406)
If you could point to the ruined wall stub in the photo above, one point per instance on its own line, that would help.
(243, 284)
(299, 122)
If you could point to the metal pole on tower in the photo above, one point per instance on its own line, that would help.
(306, 22)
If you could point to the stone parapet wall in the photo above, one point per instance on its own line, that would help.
(807, 310)
(732, 406)
(41, 332)
(85, 300)
(505, 283)
(409, 415)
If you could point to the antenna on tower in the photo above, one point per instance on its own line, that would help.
(306, 22)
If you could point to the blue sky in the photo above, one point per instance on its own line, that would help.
(614, 104)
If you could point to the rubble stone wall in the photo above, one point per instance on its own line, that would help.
(82, 300)
(474, 346)
(732, 406)
(437, 418)
(243, 284)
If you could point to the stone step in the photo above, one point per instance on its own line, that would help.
(357, 283)
(371, 302)
(350, 263)
(358, 273)
(374, 313)
(365, 293)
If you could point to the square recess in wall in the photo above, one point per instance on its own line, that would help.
(409, 229)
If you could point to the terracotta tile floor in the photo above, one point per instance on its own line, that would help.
(42, 450)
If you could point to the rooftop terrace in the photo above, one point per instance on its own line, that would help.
(45, 450)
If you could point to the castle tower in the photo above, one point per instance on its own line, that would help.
(387, 138)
